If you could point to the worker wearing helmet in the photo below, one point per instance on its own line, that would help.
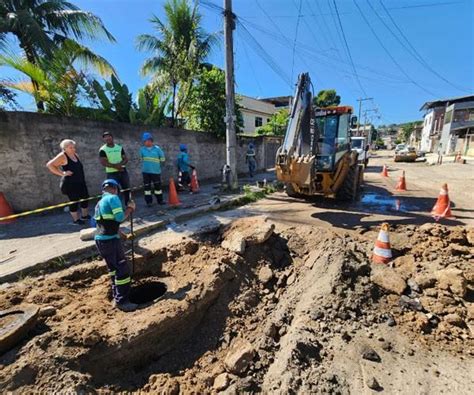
(184, 167)
(152, 158)
(251, 160)
(108, 216)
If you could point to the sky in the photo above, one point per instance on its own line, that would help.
(401, 55)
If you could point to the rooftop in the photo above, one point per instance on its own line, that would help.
(443, 102)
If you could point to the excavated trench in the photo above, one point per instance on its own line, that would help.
(244, 309)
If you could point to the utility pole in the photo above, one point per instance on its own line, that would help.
(231, 140)
(360, 100)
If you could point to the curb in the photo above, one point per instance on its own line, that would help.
(89, 251)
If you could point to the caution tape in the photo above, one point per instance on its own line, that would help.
(40, 210)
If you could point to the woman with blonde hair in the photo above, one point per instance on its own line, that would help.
(67, 165)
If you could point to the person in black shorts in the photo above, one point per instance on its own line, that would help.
(68, 166)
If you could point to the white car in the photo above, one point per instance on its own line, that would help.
(359, 144)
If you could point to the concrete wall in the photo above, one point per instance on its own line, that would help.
(29, 140)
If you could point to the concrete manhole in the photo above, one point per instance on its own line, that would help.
(15, 325)
(147, 292)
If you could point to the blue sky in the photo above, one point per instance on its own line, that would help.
(441, 31)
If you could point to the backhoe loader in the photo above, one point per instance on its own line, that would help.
(316, 157)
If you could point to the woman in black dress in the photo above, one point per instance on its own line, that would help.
(73, 183)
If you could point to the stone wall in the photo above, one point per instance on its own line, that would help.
(29, 140)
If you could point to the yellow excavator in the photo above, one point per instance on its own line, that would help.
(316, 156)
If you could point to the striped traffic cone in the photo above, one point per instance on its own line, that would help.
(401, 186)
(382, 250)
(442, 208)
(384, 171)
(194, 182)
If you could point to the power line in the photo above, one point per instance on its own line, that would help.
(296, 37)
(415, 53)
(347, 48)
(389, 53)
(244, 46)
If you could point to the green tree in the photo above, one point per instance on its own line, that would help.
(206, 105)
(407, 130)
(60, 81)
(7, 98)
(327, 98)
(41, 25)
(178, 50)
(277, 124)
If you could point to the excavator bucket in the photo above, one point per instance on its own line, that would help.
(298, 172)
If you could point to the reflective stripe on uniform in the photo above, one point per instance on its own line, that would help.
(382, 252)
(105, 216)
(149, 159)
(160, 192)
(123, 281)
(147, 192)
(117, 210)
(112, 273)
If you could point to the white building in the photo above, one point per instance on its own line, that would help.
(257, 112)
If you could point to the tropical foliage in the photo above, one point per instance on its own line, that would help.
(327, 98)
(277, 124)
(178, 49)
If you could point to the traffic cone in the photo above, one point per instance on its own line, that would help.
(194, 182)
(382, 250)
(384, 171)
(5, 209)
(173, 199)
(442, 208)
(401, 186)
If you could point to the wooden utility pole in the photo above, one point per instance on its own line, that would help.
(231, 139)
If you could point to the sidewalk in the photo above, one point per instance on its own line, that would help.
(51, 238)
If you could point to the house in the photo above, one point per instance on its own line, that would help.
(367, 131)
(415, 137)
(449, 126)
(257, 112)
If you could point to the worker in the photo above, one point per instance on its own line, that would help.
(184, 168)
(251, 160)
(113, 158)
(108, 216)
(152, 158)
(68, 166)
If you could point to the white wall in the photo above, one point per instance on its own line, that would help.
(252, 108)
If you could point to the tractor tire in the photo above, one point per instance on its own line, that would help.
(290, 191)
(350, 188)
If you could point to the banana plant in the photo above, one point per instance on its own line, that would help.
(151, 107)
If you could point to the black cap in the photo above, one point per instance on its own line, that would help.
(106, 134)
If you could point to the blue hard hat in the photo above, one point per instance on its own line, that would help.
(251, 145)
(182, 147)
(147, 136)
(110, 182)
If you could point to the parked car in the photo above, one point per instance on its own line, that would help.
(359, 145)
(400, 147)
(407, 154)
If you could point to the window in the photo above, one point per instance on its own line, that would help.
(448, 117)
(258, 121)
(268, 120)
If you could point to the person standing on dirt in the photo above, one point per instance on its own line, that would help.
(251, 160)
(184, 168)
(68, 166)
(113, 158)
(108, 216)
(152, 158)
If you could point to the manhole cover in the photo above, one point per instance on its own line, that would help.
(147, 292)
(15, 324)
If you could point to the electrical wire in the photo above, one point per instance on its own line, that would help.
(348, 50)
(395, 62)
(414, 51)
(296, 38)
(244, 46)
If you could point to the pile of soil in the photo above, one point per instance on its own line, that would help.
(293, 310)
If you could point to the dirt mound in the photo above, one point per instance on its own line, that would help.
(297, 310)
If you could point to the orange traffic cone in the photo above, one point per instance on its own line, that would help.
(382, 250)
(442, 208)
(5, 209)
(401, 186)
(173, 199)
(194, 182)
(384, 171)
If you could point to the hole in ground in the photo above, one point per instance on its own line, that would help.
(147, 292)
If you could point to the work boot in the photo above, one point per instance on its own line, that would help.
(127, 306)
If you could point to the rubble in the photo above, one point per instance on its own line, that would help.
(239, 357)
(388, 279)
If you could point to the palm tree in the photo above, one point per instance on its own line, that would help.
(178, 49)
(40, 25)
(60, 79)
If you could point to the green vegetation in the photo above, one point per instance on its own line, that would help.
(327, 98)
(252, 194)
(277, 124)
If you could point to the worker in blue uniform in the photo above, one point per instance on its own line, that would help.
(108, 216)
(250, 159)
(184, 168)
(152, 158)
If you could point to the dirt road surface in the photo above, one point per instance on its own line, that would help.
(283, 300)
